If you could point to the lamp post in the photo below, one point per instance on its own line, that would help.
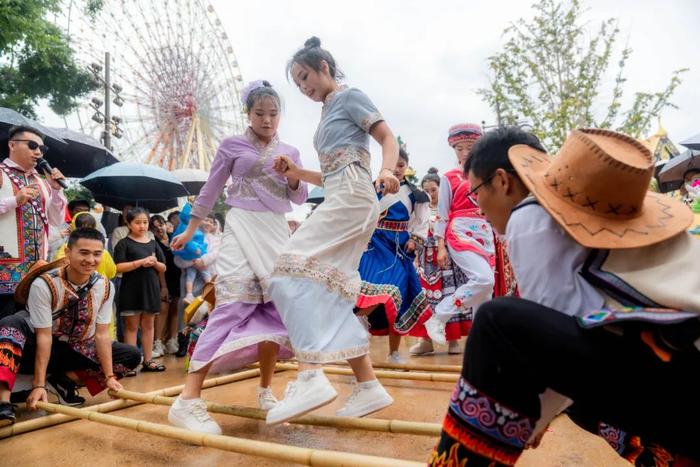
(111, 123)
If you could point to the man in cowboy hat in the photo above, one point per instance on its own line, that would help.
(62, 337)
(29, 203)
(597, 325)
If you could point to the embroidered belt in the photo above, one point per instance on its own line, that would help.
(341, 157)
(394, 226)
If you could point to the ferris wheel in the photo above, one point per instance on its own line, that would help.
(176, 73)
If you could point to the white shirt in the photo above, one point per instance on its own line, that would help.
(547, 262)
(39, 304)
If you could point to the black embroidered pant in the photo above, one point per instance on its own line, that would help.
(18, 352)
(646, 409)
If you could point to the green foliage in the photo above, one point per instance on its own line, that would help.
(36, 61)
(76, 191)
(551, 71)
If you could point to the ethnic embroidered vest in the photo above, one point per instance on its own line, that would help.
(23, 231)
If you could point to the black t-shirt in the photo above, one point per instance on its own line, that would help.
(140, 288)
(172, 273)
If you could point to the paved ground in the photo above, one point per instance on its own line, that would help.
(84, 443)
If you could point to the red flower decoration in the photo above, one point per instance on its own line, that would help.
(458, 303)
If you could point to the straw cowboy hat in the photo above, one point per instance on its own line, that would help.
(36, 270)
(597, 189)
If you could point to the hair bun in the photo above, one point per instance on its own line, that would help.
(266, 84)
(433, 170)
(312, 41)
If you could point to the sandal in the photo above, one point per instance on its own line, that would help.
(152, 366)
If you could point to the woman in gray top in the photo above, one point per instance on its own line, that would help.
(316, 282)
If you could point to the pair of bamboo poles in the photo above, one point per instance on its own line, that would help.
(305, 456)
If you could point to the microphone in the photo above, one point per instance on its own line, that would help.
(43, 165)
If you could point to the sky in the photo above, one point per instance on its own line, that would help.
(423, 62)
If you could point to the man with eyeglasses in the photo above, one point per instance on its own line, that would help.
(29, 203)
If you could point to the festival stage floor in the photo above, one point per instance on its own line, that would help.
(85, 443)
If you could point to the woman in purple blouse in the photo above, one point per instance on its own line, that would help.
(245, 326)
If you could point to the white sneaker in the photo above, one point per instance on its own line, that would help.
(192, 415)
(422, 347)
(189, 298)
(436, 330)
(266, 399)
(366, 398)
(453, 348)
(308, 392)
(158, 349)
(395, 357)
(171, 346)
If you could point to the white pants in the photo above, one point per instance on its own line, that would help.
(476, 291)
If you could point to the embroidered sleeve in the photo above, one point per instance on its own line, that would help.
(39, 305)
(361, 110)
(444, 202)
(418, 223)
(220, 172)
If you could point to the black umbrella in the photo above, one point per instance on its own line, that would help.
(135, 184)
(316, 196)
(81, 156)
(10, 118)
(692, 143)
(193, 179)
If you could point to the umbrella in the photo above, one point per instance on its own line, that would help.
(136, 184)
(671, 176)
(10, 118)
(81, 156)
(692, 143)
(193, 179)
(316, 196)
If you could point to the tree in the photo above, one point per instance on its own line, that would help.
(36, 60)
(551, 73)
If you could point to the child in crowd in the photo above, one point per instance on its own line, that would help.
(140, 260)
(192, 251)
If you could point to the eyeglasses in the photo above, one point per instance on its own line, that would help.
(33, 145)
(471, 195)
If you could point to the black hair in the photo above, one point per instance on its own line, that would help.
(72, 205)
(173, 214)
(211, 215)
(85, 221)
(311, 55)
(153, 219)
(431, 176)
(90, 234)
(132, 213)
(263, 91)
(490, 152)
(403, 154)
(18, 129)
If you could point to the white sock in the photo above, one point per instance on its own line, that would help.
(369, 384)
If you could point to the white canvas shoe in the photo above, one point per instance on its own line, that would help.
(192, 414)
(436, 330)
(395, 357)
(171, 346)
(366, 398)
(422, 347)
(308, 392)
(266, 399)
(158, 349)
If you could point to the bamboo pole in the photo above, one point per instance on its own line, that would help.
(414, 366)
(435, 377)
(281, 452)
(352, 423)
(51, 420)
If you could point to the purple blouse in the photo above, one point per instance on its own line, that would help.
(255, 186)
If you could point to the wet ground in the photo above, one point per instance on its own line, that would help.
(85, 443)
